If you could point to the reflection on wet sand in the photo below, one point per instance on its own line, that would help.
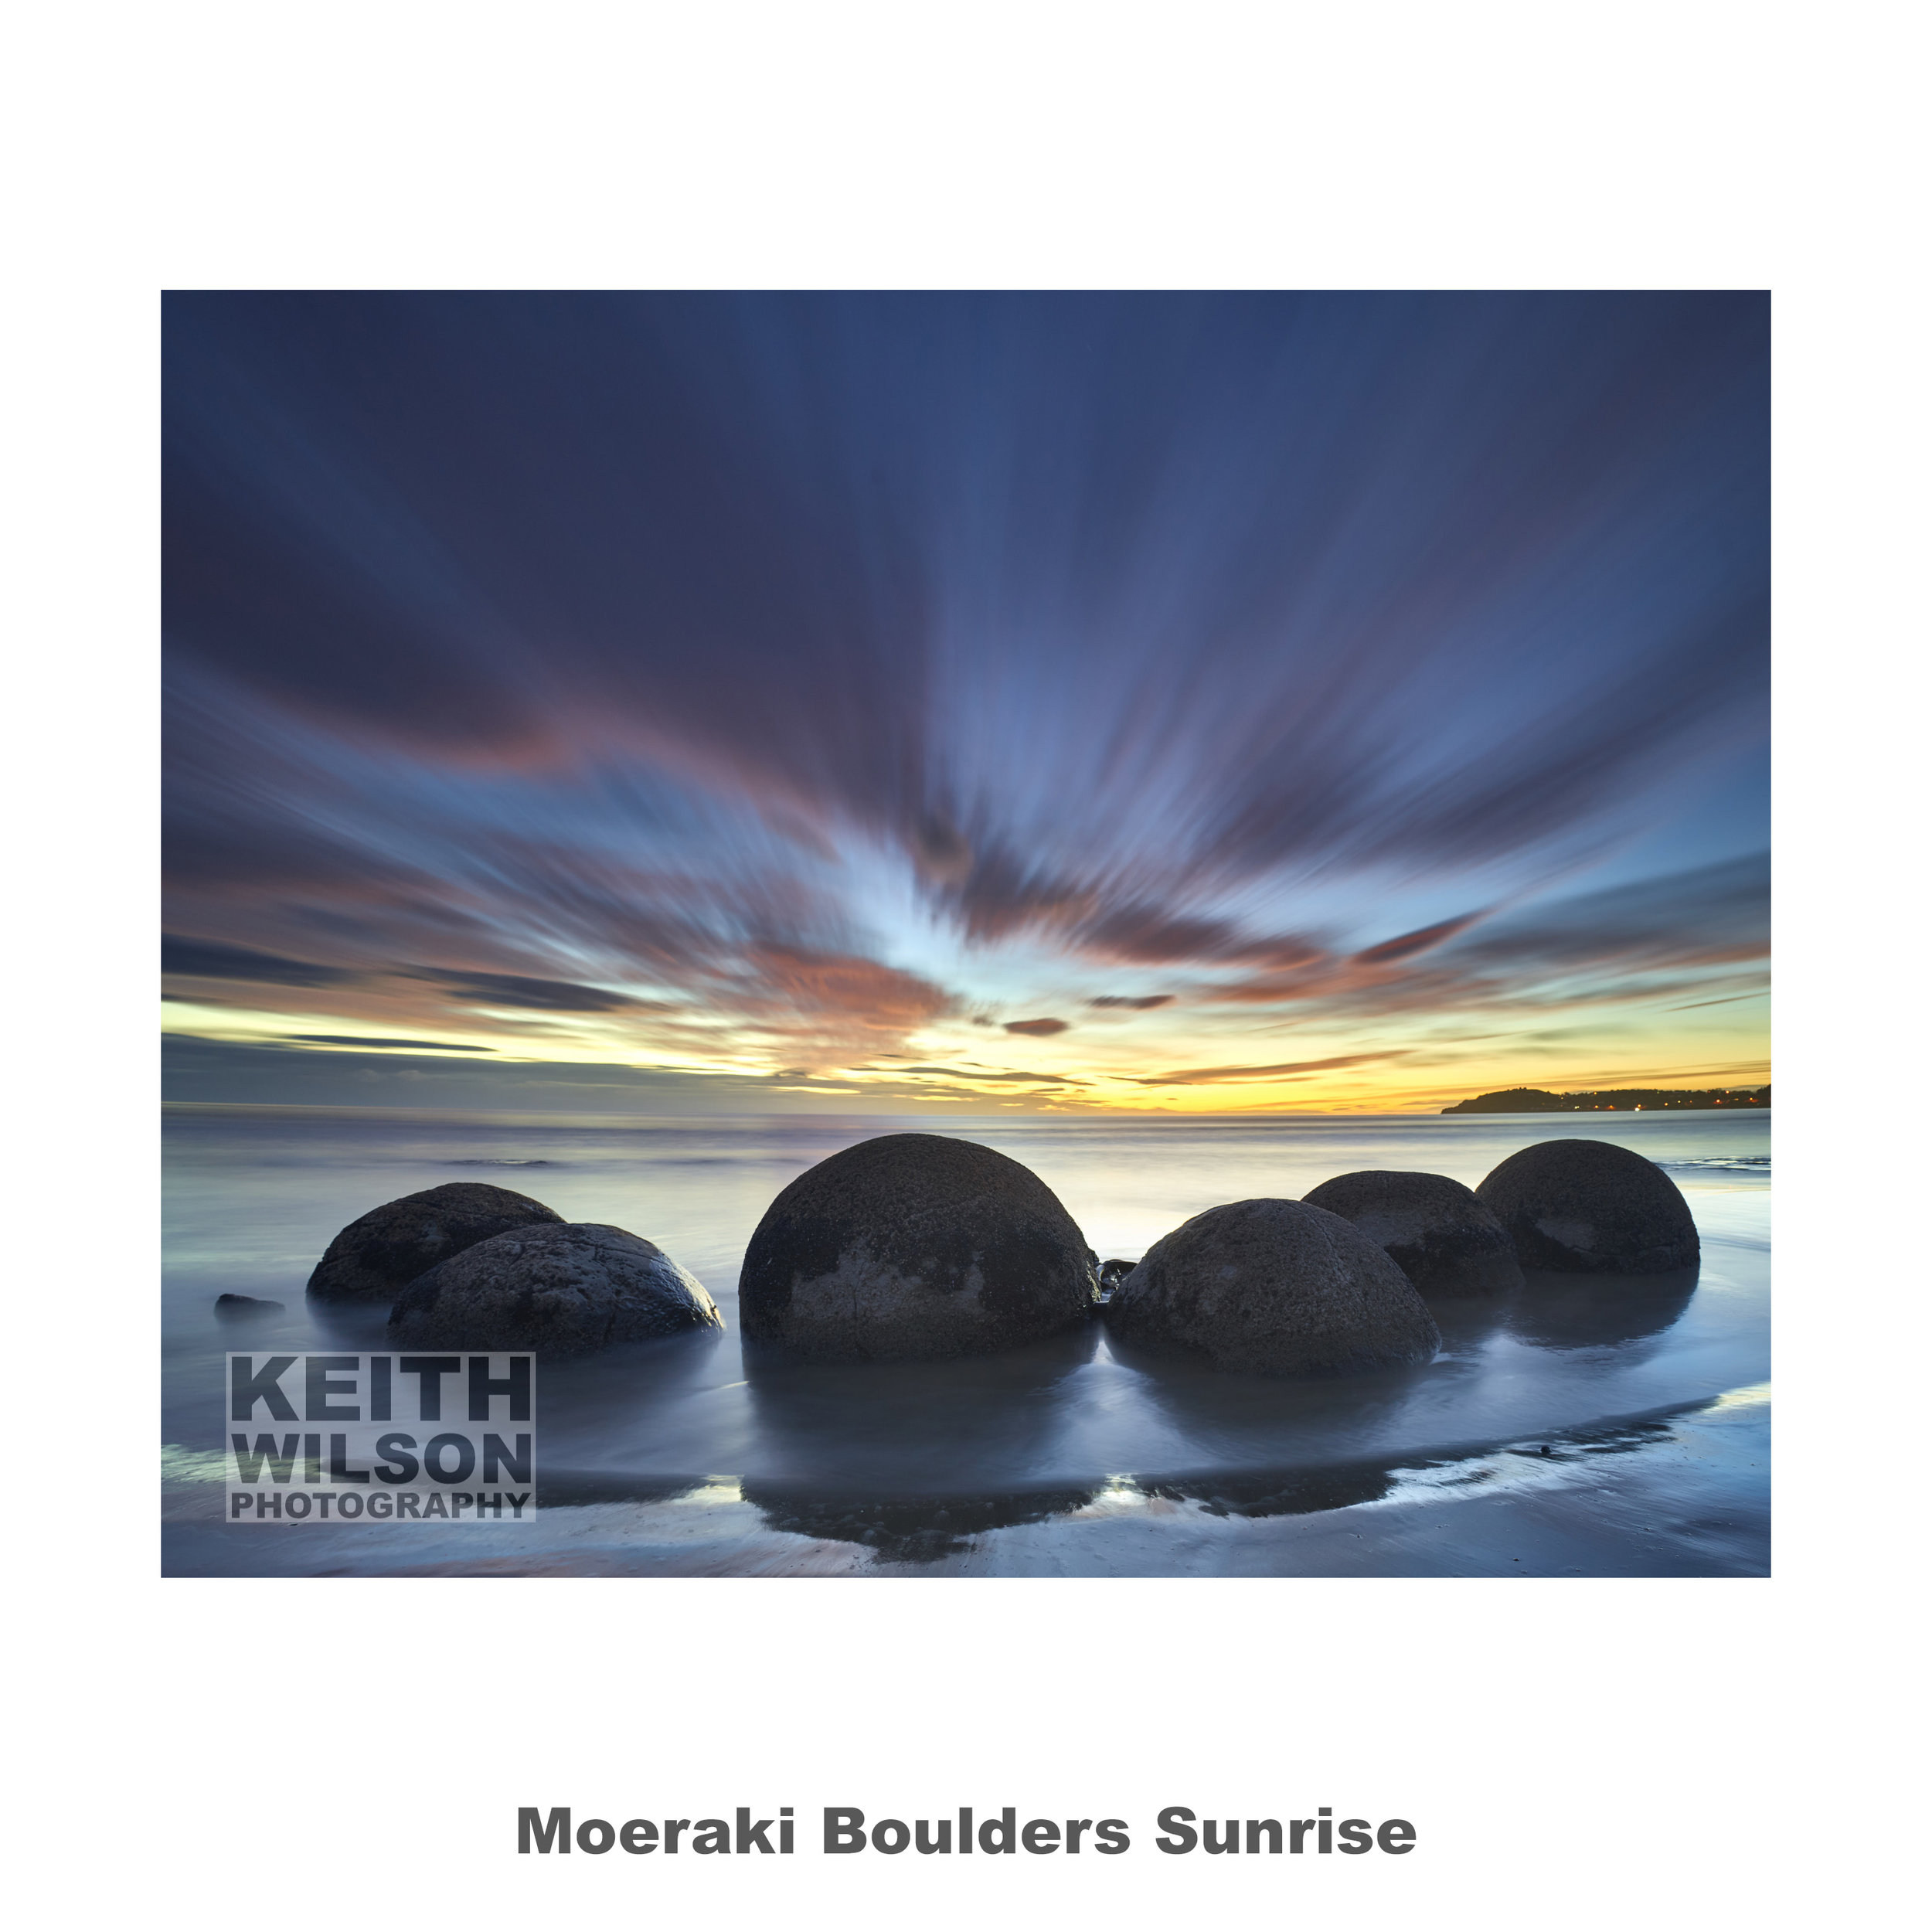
(1597, 1311)
(1468, 1321)
(1238, 1417)
(918, 1425)
(916, 1529)
(1274, 1492)
(908, 1530)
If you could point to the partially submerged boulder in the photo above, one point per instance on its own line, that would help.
(1589, 1207)
(374, 1258)
(911, 1247)
(1433, 1229)
(564, 1290)
(1274, 1288)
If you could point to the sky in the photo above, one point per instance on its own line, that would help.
(963, 702)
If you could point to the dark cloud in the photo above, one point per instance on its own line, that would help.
(511, 989)
(209, 959)
(1691, 1006)
(1147, 934)
(974, 1073)
(215, 1072)
(1713, 915)
(1643, 941)
(737, 530)
(1037, 1029)
(355, 1039)
(1410, 944)
(1139, 1005)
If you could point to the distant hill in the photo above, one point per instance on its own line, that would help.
(1620, 1099)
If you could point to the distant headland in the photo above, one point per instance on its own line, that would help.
(1620, 1099)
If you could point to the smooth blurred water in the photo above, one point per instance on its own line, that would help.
(254, 1195)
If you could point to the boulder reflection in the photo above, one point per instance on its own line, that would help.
(1596, 1310)
(1242, 1416)
(1468, 1321)
(906, 1529)
(922, 1427)
(1276, 1492)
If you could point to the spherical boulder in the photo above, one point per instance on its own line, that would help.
(1433, 1229)
(1274, 1288)
(911, 1247)
(561, 1291)
(1587, 1207)
(374, 1259)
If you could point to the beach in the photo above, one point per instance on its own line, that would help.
(1581, 1426)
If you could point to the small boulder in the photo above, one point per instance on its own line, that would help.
(1588, 1207)
(374, 1259)
(1114, 1273)
(1433, 1229)
(227, 1306)
(1274, 1288)
(912, 1247)
(564, 1290)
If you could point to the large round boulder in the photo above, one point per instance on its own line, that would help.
(374, 1259)
(1587, 1207)
(562, 1290)
(1433, 1229)
(1274, 1288)
(912, 1247)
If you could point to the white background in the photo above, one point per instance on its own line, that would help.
(1580, 1753)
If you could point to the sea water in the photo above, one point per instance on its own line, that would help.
(1574, 1404)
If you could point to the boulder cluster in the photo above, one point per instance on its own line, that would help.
(921, 1246)
(1340, 1280)
(469, 1266)
(1435, 1229)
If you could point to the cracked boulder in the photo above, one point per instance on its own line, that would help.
(1588, 1207)
(568, 1290)
(1274, 1287)
(1433, 1229)
(374, 1258)
(912, 1247)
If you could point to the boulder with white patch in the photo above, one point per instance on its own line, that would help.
(1274, 1287)
(914, 1247)
(1589, 1207)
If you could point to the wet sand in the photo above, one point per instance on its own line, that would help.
(1679, 1495)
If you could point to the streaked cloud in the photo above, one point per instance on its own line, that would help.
(1228, 1076)
(769, 684)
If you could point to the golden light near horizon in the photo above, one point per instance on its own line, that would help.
(951, 1068)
